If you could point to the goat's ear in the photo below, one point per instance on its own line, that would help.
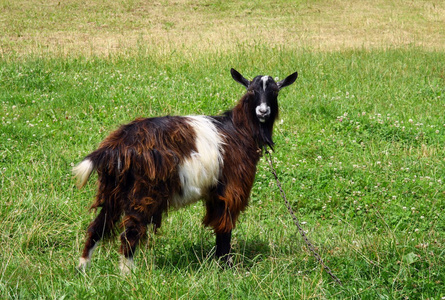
(239, 78)
(288, 80)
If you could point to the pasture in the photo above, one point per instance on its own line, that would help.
(359, 144)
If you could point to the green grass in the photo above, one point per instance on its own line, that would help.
(359, 149)
(359, 144)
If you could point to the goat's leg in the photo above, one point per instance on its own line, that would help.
(156, 220)
(100, 227)
(219, 216)
(135, 227)
(223, 247)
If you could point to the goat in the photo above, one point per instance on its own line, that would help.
(153, 164)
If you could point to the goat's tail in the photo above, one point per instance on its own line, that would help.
(83, 171)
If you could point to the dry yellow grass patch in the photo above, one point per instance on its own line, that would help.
(103, 27)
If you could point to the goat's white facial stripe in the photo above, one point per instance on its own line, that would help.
(201, 170)
(264, 79)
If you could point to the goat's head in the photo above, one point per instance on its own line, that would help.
(265, 91)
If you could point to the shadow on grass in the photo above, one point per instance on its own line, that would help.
(193, 256)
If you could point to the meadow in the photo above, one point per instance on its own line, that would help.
(359, 145)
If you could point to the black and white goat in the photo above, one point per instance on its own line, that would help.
(151, 165)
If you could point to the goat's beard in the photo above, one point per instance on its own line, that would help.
(266, 129)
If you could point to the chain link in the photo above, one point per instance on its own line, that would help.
(297, 223)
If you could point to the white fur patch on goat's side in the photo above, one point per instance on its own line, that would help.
(82, 172)
(265, 79)
(201, 170)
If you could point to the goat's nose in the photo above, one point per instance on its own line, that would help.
(262, 109)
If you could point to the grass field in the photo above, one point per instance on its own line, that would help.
(359, 144)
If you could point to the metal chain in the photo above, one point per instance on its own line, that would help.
(297, 223)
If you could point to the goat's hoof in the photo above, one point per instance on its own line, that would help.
(84, 263)
(226, 261)
(126, 265)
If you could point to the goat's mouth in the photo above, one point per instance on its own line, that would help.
(263, 117)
